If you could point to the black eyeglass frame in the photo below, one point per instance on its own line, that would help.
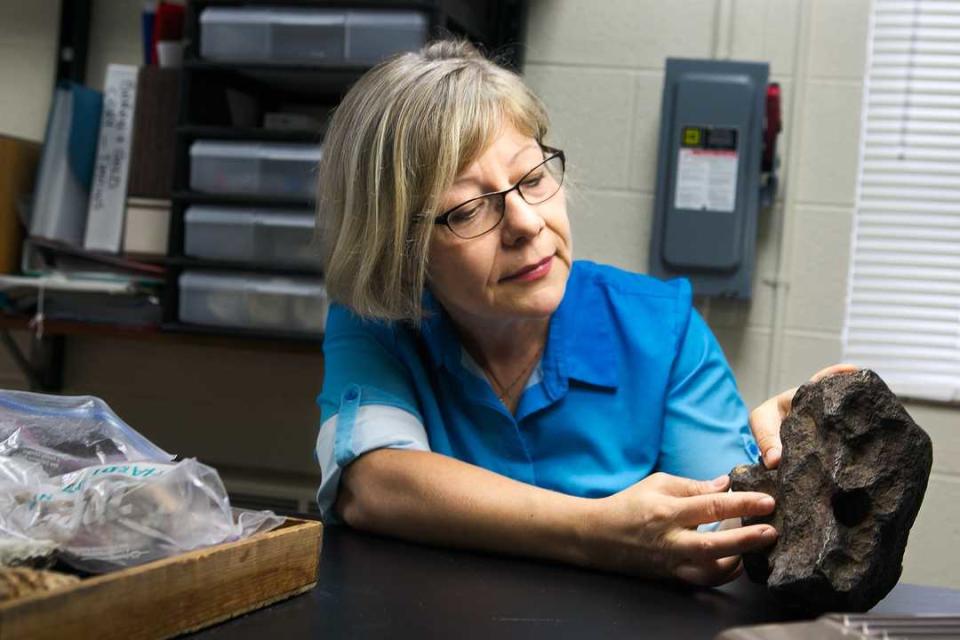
(444, 217)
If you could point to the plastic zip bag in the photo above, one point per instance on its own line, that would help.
(66, 433)
(73, 473)
(108, 517)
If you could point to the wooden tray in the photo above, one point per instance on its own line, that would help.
(175, 595)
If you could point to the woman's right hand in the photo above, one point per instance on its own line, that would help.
(650, 529)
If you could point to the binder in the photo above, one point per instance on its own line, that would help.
(66, 165)
(108, 192)
(154, 133)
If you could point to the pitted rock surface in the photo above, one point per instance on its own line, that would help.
(849, 485)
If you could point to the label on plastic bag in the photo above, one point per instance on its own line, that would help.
(76, 481)
(73, 482)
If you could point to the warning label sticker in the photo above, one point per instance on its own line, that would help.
(706, 180)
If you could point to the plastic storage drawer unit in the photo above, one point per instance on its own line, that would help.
(253, 301)
(301, 35)
(284, 169)
(281, 237)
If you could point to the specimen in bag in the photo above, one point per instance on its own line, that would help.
(17, 582)
(19, 552)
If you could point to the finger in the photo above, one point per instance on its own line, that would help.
(765, 424)
(765, 420)
(834, 370)
(711, 573)
(771, 458)
(711, 545)
(695, 510)
(685, 487)
(785, 402)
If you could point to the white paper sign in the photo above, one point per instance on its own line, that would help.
(706, 180)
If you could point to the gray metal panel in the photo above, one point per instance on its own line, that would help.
(704, 225)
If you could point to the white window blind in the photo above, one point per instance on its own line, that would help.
(903, 302)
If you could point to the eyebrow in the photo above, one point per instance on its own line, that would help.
(532, 145)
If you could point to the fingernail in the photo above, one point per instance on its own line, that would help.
(772, 452)
(720, 480)
(769, 534)
(766, 502)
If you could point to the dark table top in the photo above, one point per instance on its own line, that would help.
(373, 587)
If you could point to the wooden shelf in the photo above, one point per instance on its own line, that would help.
(153, 268)
(72, 328)
(172, 333)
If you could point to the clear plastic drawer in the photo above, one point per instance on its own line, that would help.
(253, 301)
(269, 237)
(282, 169)
(306, 35)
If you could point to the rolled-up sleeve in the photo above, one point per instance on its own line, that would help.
(367, 401)
(351, 433)
(706, 428)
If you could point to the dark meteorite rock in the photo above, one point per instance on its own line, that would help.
(849, 485)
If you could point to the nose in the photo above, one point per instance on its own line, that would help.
(521, 221)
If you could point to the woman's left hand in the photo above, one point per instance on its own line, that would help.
(765, 420)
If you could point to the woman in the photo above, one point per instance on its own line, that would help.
(484, 390)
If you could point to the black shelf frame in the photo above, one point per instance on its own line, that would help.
(203, 264)
(201, 197)
(293, 338)
(496, 25)
(194, 132)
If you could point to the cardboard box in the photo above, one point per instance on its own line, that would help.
(147, 227)
(18, 170)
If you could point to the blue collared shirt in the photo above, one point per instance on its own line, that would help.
(631, 381)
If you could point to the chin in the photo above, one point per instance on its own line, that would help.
(541, 308)
(544, 299)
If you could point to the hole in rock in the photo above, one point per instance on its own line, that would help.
(851, 507)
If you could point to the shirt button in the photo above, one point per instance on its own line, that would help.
(352, 394)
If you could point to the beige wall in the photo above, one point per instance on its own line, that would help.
(28, 54)
(599, 66)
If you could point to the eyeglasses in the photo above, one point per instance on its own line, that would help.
(480, 215)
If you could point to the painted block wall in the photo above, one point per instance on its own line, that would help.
(599, 67)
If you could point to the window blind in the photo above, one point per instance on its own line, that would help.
(903, 302)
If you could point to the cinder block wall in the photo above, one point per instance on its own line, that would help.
(599, 67)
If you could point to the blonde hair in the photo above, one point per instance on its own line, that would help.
(395, 144)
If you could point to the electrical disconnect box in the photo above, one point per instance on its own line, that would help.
(716, 166)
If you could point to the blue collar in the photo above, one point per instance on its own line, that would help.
(443, 343)
(581, 344)
(584, 326)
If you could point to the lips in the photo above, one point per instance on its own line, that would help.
(527, 269)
